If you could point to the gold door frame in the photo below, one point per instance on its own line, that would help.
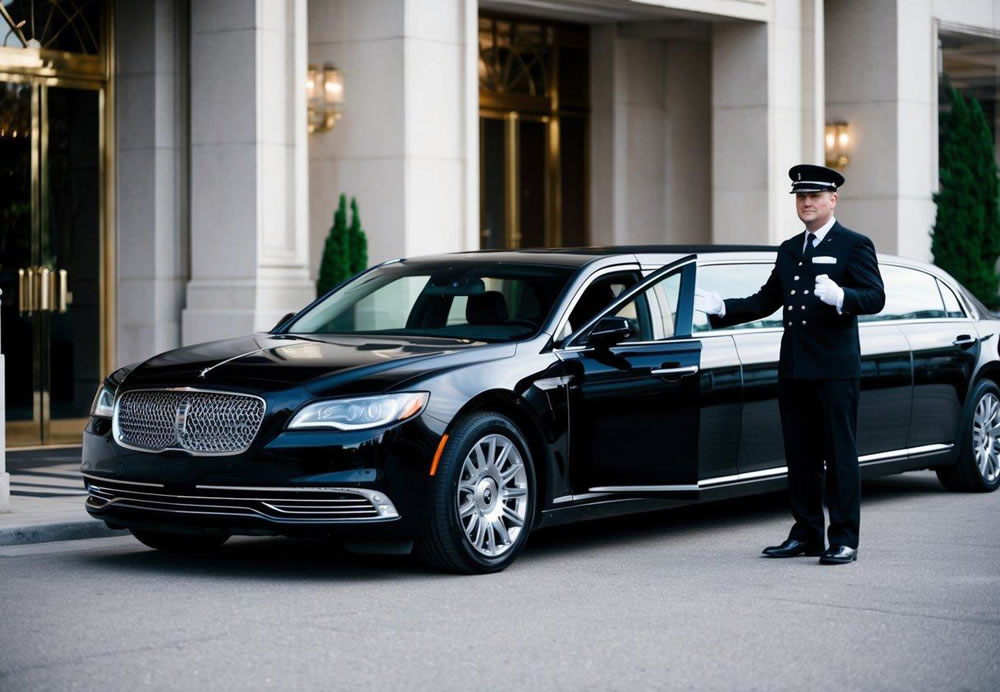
(44, 68)
(547, 108)
(511, 175)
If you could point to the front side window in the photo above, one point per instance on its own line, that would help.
(601, 292)
(653, 312)
(735, 281)
(464, 300)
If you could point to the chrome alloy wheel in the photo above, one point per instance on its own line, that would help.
(493, 495)
(986, 436)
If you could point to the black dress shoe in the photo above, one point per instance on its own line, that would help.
(838, 555)
(792, 548)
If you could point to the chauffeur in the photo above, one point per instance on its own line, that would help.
(822, 279)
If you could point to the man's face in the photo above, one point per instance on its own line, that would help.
(815, 208)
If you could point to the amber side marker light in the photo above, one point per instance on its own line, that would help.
(437, 454)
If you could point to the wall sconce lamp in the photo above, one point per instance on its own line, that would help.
(838, 141)
(324, 97)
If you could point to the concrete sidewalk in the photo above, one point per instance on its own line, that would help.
(46, 499)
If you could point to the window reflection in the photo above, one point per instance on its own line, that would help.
(735, 281)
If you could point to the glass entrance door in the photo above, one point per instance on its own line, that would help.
(51, 183)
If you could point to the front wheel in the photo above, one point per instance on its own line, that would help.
(179, 542)
(978, 467)
(481, 502)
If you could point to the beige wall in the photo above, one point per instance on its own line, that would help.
(407, 142)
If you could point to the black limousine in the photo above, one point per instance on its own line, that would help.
(451, 404)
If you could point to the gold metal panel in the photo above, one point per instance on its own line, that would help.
(519, 79)
(47, 291)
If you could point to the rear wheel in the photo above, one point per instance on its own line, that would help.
(179, 542)
(481, 502)
(978, 467)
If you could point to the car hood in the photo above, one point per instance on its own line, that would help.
(276, 361)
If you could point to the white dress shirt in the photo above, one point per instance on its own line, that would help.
(820, 234)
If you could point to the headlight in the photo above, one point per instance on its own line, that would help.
(104, 402)
(360, 413)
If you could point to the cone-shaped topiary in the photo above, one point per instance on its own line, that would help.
(335, 265)
(965, 240)
(358, 241)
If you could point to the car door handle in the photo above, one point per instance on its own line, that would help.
(964, 340)
(675, 372)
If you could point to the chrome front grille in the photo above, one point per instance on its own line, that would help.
(200, 422)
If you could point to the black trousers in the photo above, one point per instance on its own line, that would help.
(819, 421)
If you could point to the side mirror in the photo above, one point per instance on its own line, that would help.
(283, 320)
(609, 331)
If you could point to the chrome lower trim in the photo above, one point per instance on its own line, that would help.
(739, 477)
(929, 449)
(575, 498)
(112, 480)
(642, 488)
(763, 474)
(867, 459)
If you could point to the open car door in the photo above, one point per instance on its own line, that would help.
(634, 390)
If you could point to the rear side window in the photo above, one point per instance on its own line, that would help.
(735, 281)
(951, 305)
(909, 295)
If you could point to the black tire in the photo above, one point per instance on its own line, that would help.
(965, 475)
(445, 545)
(180, 542)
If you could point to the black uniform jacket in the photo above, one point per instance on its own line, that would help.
(818, 343)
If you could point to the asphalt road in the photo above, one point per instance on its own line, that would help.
(675, 599)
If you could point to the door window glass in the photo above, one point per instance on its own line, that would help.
(909, 295)
(951, 305)
(597, 296)
(653, 312)
(735, 281)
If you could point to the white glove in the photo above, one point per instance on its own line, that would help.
(709, 302)
(829, 292)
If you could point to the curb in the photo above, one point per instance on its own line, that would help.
(56, 531)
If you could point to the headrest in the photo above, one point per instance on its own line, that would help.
(486, 308)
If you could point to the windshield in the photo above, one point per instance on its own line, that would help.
(485, 301)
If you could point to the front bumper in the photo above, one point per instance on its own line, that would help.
(369, 484)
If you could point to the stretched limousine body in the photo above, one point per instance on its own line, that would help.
(452, 403)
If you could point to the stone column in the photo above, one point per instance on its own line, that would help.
(740, 133)
(880, 72)
(152, 182)
(650, 147)
(767, 87)
(407, 144)
(249, 177)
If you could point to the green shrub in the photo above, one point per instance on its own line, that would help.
(965, 240)
(345, 252)
(358, 241)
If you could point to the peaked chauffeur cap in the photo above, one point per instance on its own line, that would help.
(808, 178)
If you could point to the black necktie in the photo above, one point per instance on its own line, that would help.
(810, 243)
